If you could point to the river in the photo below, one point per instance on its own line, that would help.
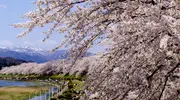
(4, 83)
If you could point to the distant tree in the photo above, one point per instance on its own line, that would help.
(7, 61)
(144, 39)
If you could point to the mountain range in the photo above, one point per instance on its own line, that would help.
(33, 54)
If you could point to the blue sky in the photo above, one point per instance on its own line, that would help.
(10, 12)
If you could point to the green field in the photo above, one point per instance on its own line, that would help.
(20, 93)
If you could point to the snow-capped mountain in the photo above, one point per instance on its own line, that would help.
(32, 54)
(28, 50)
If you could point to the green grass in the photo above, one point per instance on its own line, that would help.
(42, 77)
(73, 90)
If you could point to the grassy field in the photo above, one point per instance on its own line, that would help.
(20, 93)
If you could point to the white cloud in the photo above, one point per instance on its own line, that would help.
(3, 6)
(39, 43)
(6, 43)
(51, 42)
(28, 43)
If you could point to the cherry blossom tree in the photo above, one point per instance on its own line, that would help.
(143, 36)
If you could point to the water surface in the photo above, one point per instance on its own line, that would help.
(5, 83)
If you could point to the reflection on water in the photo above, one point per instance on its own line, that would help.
(4, 83)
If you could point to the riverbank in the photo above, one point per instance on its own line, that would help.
(21, 93)
(69, 86)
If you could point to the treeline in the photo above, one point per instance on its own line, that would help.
(7, 61)
(82, 66)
